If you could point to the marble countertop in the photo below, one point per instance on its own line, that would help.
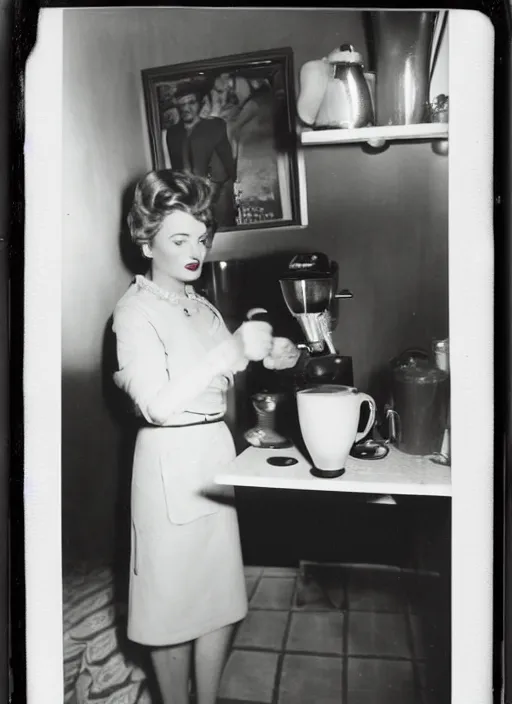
(396, 474)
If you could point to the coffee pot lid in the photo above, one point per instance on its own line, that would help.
(420, 374)
(345, 54)
(415, 366)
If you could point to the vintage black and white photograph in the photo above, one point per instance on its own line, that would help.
(231, 119)
(260, 465)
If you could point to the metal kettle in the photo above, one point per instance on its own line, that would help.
(418, 412)
(347, 102)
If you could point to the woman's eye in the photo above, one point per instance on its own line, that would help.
(203, 241)
(178, 243)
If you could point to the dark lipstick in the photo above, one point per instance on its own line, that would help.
(194, 266)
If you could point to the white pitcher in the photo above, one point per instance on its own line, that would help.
(329, 417)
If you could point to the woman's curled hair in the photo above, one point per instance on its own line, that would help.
(160, 193)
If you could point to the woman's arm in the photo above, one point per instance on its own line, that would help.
(143, 371)
(165, 148)
(224, 152)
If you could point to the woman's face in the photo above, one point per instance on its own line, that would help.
(179, 248)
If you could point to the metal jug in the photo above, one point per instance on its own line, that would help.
(418, 413)
(347, 101)
(402, 43)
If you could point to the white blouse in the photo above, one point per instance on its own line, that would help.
(164, 339)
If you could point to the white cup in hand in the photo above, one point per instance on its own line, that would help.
(255, 336)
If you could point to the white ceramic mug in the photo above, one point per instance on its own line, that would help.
(329, 417)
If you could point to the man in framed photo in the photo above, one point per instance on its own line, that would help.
(201, 145)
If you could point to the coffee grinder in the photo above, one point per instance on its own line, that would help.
(309, 289)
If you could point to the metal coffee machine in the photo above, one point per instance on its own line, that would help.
(309, 287)
(309, 291)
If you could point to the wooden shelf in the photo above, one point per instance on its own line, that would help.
(434, 130)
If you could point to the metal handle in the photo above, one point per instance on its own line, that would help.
(394, 425)
(345, 293)
(310, 346)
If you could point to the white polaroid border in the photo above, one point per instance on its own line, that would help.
(42, 367)
(471, 38)
(471, 290)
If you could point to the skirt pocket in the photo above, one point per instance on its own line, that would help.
(184, 497)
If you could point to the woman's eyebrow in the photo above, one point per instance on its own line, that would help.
(187, 234)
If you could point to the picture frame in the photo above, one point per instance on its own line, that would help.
(233, 120)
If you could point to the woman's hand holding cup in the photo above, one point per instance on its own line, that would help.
(254, 338)
(252, 342)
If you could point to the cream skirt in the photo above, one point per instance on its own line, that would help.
(186, 570)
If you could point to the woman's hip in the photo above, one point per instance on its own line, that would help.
(185, 445)
(174, 472)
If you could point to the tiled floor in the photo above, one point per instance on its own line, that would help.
(328, 634)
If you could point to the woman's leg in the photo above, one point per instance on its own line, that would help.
(210, 657)
(172, 669)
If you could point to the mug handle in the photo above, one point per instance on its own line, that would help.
(371, 420)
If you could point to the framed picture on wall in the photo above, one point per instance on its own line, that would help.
(231, 119)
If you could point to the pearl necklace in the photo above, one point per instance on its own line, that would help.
(190, 308)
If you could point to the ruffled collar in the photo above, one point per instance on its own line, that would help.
(148, 285)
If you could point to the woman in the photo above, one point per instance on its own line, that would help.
(176, 360)
(237, 100)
